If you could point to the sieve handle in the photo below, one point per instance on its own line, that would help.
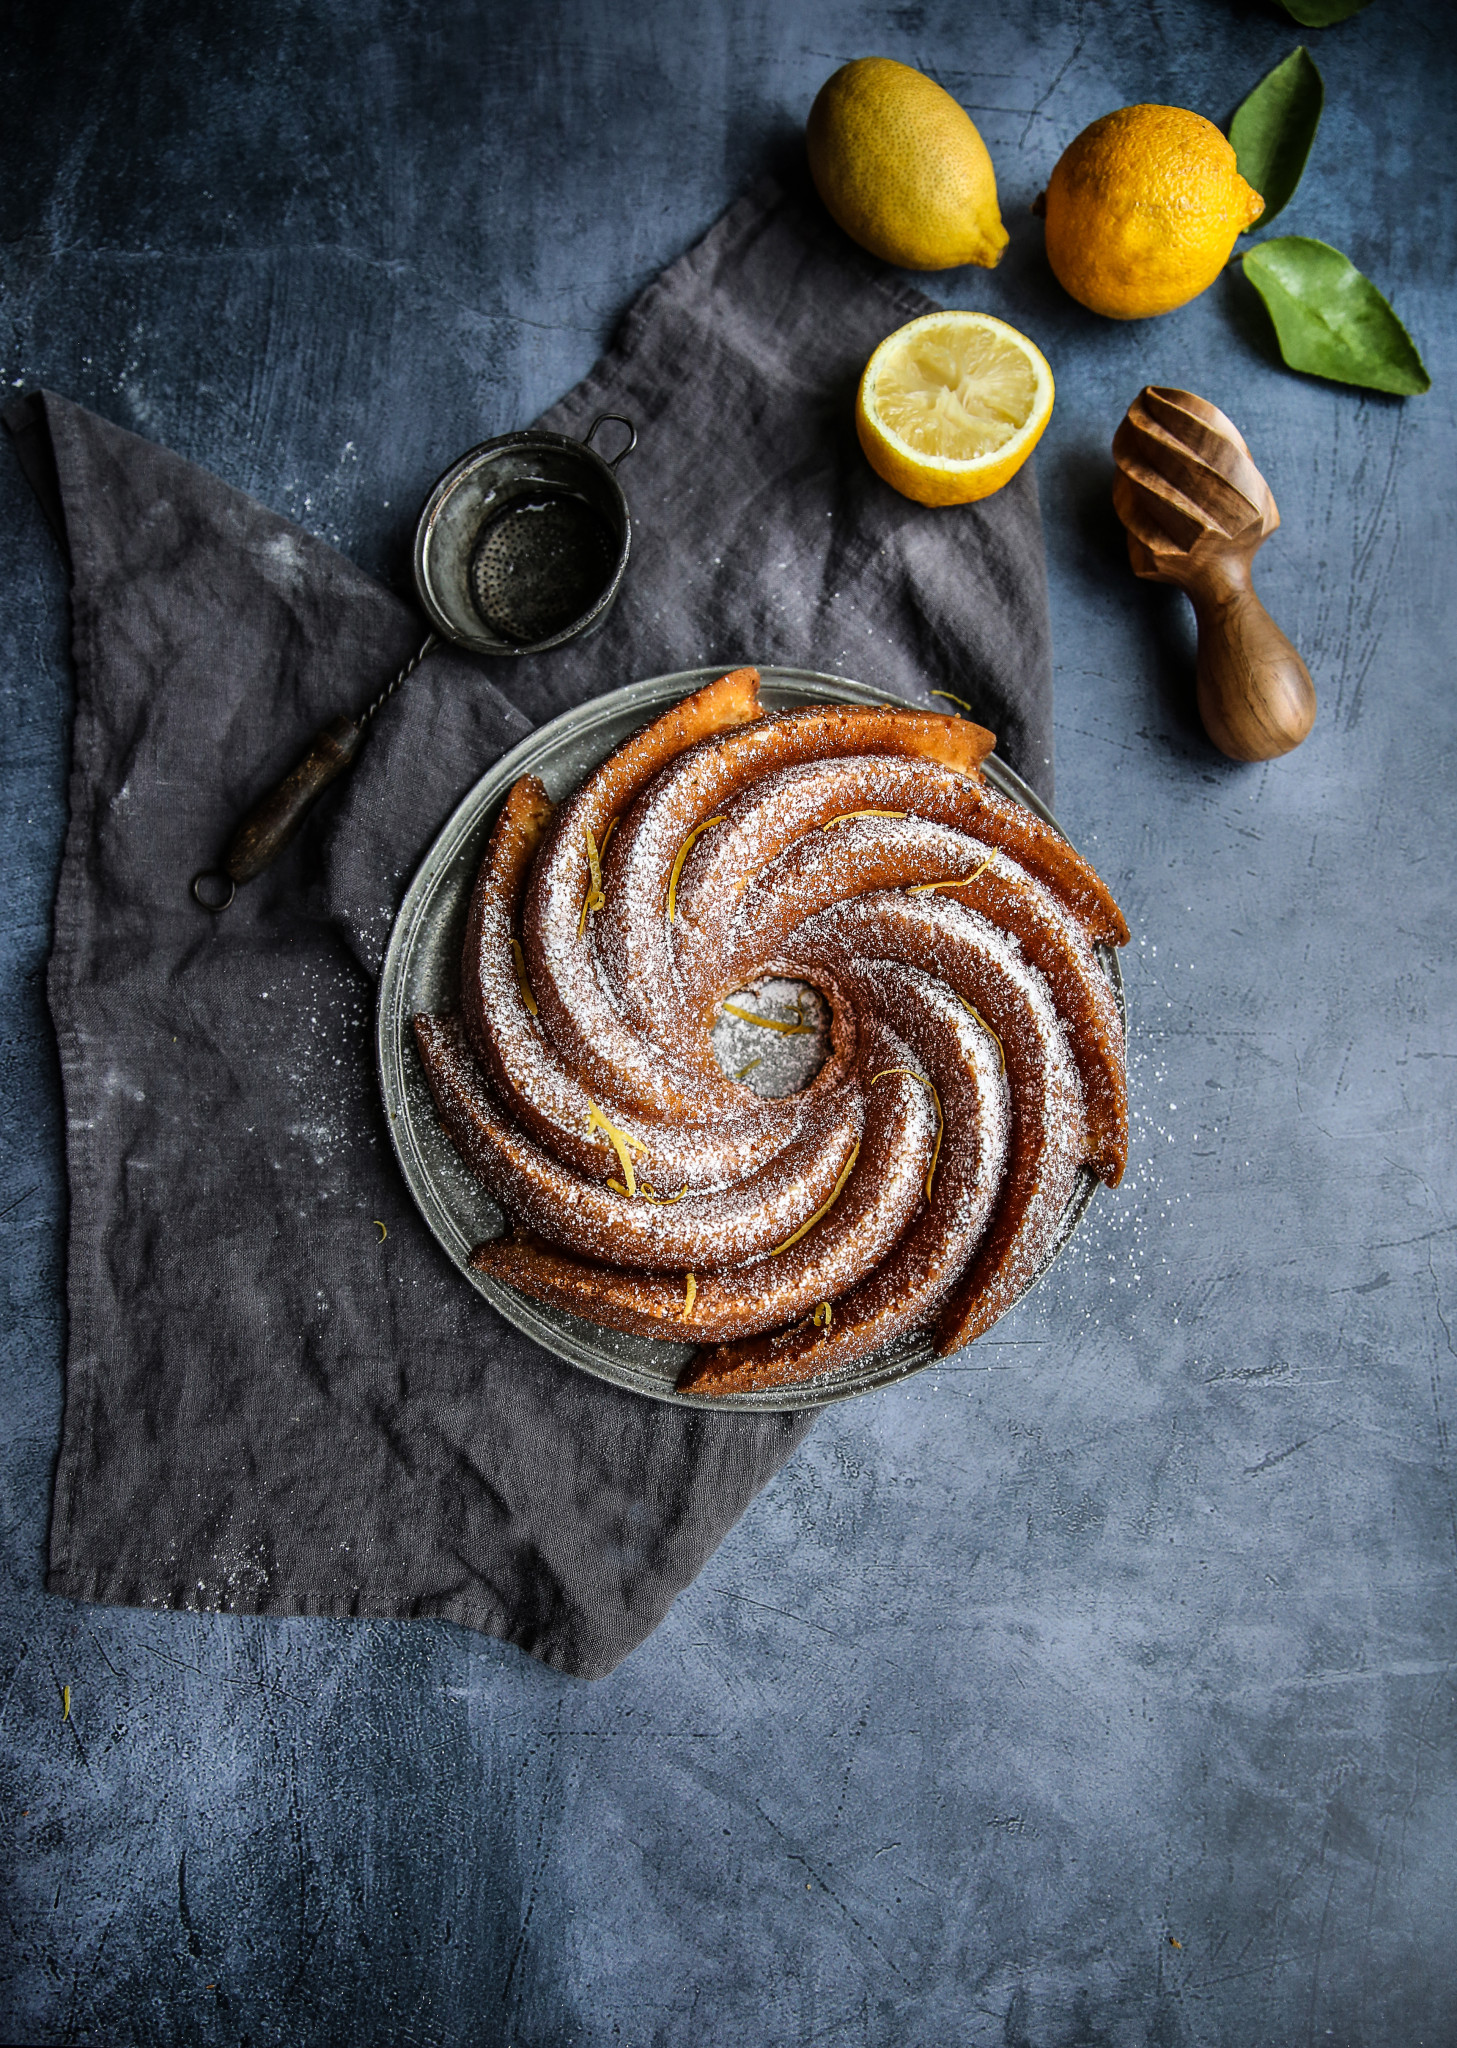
(274, 821)
(622, 421)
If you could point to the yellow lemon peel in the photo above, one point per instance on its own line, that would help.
(959, 882)
(594, 898)
(940, 1119)
(972, 1010)
(690, 1295)
(845, 817)
(521, 982)
(824, 1315)
(756, 1061)
(769, 1023)
(649, 1194)
(953, 700)
(696, 833)
(619, 1140)
(940, 1133)
(822, 1211)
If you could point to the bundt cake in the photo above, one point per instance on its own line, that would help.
(975, 1056)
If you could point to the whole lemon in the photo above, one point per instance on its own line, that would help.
(902, 169)
(1143, 210)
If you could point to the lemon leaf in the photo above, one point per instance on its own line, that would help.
(1332, 321)
(1274, 128)
(1321, 13)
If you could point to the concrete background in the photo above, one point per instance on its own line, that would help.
(1096, 1689)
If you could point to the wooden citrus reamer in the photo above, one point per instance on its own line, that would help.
(1197, 509)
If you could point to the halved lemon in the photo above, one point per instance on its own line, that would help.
(951, 405)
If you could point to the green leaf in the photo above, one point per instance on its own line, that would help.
(1330, 320)
(1322, 13)
(1274, 128)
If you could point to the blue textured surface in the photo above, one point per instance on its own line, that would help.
(1097, 1689)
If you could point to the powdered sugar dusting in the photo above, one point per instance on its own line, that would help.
(918, 1055)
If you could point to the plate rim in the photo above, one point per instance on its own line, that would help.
(393, 1035)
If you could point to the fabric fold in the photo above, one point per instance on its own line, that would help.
(281, 1398)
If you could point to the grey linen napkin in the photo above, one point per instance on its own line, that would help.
(271, 1407)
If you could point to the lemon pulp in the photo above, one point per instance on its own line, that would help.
(956, 393)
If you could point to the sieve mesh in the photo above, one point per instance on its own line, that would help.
(539, 565)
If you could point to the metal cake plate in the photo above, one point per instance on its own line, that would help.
(421, 972)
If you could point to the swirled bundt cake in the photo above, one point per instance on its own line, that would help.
(975, 1063)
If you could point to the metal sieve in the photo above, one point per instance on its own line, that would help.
(522, 543)
(521, 547)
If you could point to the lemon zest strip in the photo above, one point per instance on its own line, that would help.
(682, 856)
(619, 1141)
(953, 700)
(925, 888)
(940, 1132)
(596, 1121)
(769, 1023)
(824, 1210)
(756, 1061)
(845, 817)
(594, 898)
(940, 1119)
(690, 1295)
(1001, 1053)
(649, 1194)
(824, 1315)
(521, 982)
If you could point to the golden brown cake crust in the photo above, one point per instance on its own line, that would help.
(975, 1064)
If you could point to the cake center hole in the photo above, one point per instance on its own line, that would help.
(774, 1036)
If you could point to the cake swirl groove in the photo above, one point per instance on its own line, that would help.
(975, 1064)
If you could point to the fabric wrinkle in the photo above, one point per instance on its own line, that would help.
(269, 1408)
